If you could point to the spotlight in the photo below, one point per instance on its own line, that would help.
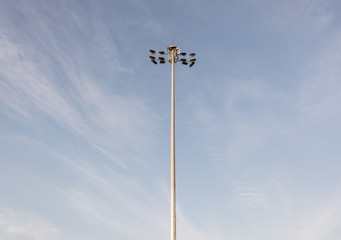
(152, 57)
(192, 63)
(153, 61)
(152, 51)
(192, 54)
(162, 52)
(183, 54)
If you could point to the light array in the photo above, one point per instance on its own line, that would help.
(173, 53)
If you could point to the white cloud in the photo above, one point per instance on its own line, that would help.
(322, 223)
(32, 83)
(304, 17)
(122, 203)
(26, 224)
(249, 194)
(317, 222)
(320, 93)
(186, 229)
(27, 90)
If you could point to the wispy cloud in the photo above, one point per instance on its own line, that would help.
(188, 230)
(319, 94)
(322, 223)
(27, 225)
(249, 194)
(304, 17)
(32, 83)
(27, 90)
(122, 203)
(319, 221)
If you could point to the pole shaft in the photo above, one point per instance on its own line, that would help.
(172, 208)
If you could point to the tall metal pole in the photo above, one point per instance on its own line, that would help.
(173, 207)
(173, 53)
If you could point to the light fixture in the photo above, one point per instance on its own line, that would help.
(162, 52)
(152, 51)
(152, 57)
(183, 54)
(192, 54)
(153, 61)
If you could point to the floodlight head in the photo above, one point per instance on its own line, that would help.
(162, 58)
(183, 54)
(183, 60)
(184, 63)
(192, 60)
(162, 61)
(192, 54)
(152, 57)
(152, 51)
(153, 61)
(161, 52)
(192, 63)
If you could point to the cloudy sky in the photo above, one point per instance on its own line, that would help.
(85, 119)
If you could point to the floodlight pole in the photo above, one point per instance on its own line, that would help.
(173, 57)
(173, 204)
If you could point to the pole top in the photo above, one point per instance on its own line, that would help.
(172, 47)
(173, 53)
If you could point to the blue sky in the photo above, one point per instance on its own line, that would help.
(85, 120)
